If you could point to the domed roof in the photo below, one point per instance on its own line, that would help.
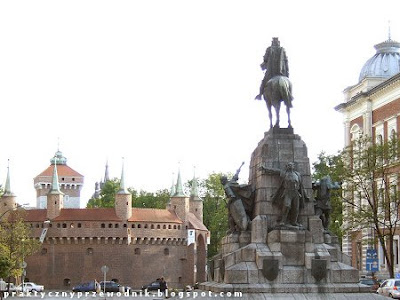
(385, 63)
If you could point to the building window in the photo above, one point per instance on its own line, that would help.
(64, 225)
(164, 227)
(169, 227)
(174, 226)
(89, 251)
(125, 225)
(158, 226)
(110, 225)
(137, 251)
(133, 226)
(116, 225)
(67, 282)
(145, 225)
(152, 226)
(103, 225)
(58, 225)
(139, 226)
(37, 225)
(43, 251)
(79, 225)
(166, 251)
(179, 226)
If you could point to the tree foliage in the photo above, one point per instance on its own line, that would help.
(371, 192)
(332, 165)
(144, 199)
(16, 244)
(215, 210)
(107, 195)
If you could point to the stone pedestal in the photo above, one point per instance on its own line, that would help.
(282, 259)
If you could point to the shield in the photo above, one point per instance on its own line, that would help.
(318, 268)
(270, 268)
(239, 214)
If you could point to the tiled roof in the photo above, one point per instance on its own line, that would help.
(195, 223)
(34, 215)
(62, 170)
(153, 215)
(104, 214)
(87, 214)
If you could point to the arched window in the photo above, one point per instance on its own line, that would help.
(103, 225)
(137, 251)
(89, 251)
(166, 251)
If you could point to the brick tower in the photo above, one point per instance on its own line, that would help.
(55, 198)
(70, 183)
(179, 202)
(123, 200)
(7, 201)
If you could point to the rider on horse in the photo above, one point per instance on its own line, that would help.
(275, 63)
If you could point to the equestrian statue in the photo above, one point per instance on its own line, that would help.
(276, 86)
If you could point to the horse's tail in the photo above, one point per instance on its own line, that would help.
(285, 87)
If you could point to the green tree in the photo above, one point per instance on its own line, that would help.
(215, 211)
(5, 263)
(107, 195)
(159, 199)
(17, 243)
(370, 192)
(332, 165)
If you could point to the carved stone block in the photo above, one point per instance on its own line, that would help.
(259, 229)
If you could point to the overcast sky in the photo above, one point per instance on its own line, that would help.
(168, 82)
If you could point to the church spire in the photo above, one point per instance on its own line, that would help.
(7, 188)
(55, 187)
(106, 176)
(194, 191)
(122, 187)
(179, 188)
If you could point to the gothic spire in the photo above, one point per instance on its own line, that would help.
(7, 188)
(55, 187)
(179, 187)
(106, 176)
(122, 187)
(194, 191)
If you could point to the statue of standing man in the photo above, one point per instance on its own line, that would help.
(275, 63)
(290, 194)
(323, 206)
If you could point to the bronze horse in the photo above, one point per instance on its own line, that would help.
(277, 89)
